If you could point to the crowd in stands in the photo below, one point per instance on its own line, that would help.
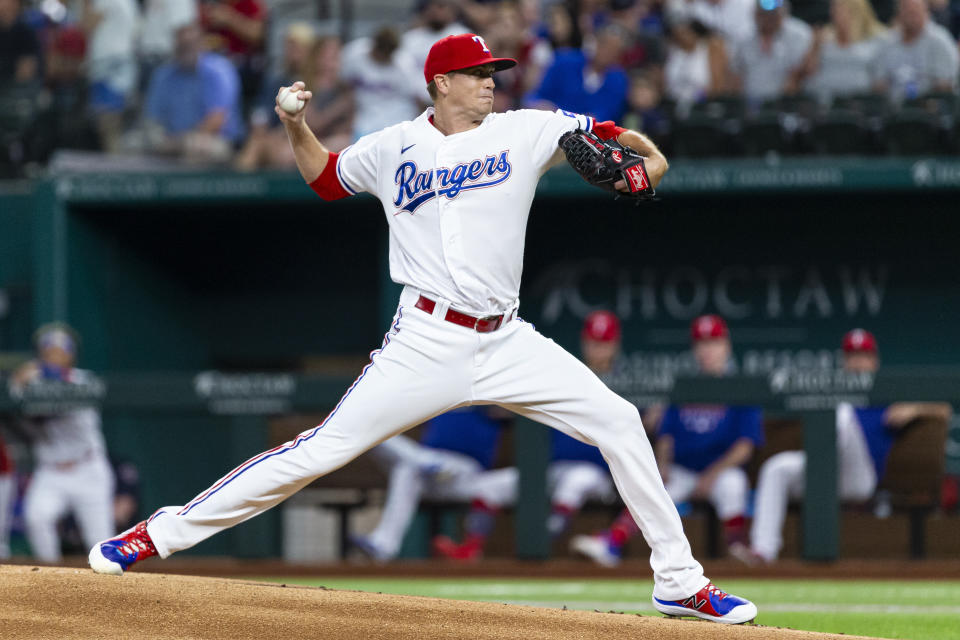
(195, 81)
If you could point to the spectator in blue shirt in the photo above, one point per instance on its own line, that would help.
(596, 85)
(701, 451)
(195, 100)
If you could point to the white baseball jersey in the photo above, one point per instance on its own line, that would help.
(68, 436)
(457, 205)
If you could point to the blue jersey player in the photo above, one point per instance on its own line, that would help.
(701, 451)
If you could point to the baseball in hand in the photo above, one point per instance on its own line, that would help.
(289, 101)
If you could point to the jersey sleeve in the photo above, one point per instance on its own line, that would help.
(546, 128)
(357, 165)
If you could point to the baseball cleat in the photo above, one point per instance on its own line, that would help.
(597, 548)
(116, 555)
(710, 603)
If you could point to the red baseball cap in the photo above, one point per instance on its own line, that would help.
(706, 327)
(602, 326)
(859, 340)
(459, 52)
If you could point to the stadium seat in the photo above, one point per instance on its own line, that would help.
(869, 105)
(914, 132)
(720, 107)
(764, 133)
(840, 132)
(701, 137)
(936, 103)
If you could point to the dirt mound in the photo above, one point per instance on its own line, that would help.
(53, 602)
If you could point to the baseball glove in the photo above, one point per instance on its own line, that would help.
(603, 163)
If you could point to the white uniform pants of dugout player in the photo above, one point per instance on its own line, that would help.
(782, 477)
(418, 472)
(428, 366)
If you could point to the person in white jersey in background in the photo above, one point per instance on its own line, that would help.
(456, 185)
(71, 472)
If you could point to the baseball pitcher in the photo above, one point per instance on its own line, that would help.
(456, 186)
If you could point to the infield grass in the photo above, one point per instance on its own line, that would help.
(912, 610)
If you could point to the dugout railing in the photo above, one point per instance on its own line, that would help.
(248, 400)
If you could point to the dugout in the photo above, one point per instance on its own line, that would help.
(184, 272)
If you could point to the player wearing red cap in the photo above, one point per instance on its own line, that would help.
(700, 450)
(455, 185)
(864, 438)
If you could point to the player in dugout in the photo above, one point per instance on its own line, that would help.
(865, 436)
(577, 471)
(701, 451)
(456, 185)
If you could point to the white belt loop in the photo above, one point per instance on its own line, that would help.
(440, 310)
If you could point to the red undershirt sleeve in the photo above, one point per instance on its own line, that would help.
(607, 129)
(327, 185)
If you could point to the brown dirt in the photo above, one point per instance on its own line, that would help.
(66, 603)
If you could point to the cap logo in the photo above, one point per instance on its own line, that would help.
(482, 43)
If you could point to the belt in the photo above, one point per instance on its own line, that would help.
(486, 324)
(70, 465)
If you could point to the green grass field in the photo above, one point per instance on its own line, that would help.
(914, 610)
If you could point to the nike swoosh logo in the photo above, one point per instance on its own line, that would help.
(405, 149)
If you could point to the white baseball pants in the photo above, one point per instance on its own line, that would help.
(570, 483)
(418, 472)
(428, 366)
(86, 490)
(782, 478)
(728, 495)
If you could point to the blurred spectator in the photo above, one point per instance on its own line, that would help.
(644, 111)
(920, 57)
(865, 436)
(234, 27)
(696, 64)
(561, 29)
(111, 29)
(388, 85)
(701, 451)
(643, 29)
(64, 123)
(846, 53)
(510, 37)
(237, 29)
(72, 473)
(731, 19)
(161, 19)
(329, 113)
(8, 488)
(195, 101)
(437, 19)
(19, 46)
(596, 86)
(770, 63)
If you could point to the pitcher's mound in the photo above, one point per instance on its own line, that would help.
(52, 602)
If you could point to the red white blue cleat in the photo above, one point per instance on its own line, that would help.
(116, 555)
(710, 603)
